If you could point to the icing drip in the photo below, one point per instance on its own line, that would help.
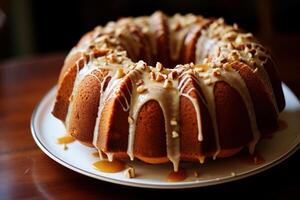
(208, 91)
(110, 156)
(193, 100)
(169, 103)
(80, 74)
(100, 154)
(203, 76)
(105, 95)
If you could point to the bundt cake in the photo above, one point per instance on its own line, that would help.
(122, 90)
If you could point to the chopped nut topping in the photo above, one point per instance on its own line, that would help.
(175, 134)
(141, 65)
(141, 89)
(173, 122)
(120, 73)
(230, 36)
(196, 174)
(99, 52)
(159, 77)
(201, 67)
(239, 40)
(201, 159)
(167, 84)
(152, 76)
(130, 120)
(158, 66)
(249, 55)
(232, 174)
(112, 58)
(129, 173)
(255, 70)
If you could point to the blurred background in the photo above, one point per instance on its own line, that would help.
(30, 27)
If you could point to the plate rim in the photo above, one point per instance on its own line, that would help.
(195, 184)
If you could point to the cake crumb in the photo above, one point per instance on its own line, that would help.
(232, 174)
(175, 134)
(196, 174)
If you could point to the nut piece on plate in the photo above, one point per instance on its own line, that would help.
(129, 172)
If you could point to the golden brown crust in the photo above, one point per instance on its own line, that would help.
(270, 67)
(150, 132)
(85, 108)
(113, 127)
(65, 85)
(189, 144)
(261, 96)
(232, 117)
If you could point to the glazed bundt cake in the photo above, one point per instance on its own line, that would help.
(122, 90)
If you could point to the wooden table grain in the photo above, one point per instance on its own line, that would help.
(26, 172)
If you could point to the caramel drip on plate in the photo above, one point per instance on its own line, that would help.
(109, 166)
(178, 176)
(67, 139)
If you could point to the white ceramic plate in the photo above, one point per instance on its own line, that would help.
(46, 129)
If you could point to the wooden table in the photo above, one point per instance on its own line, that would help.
(25, 171)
